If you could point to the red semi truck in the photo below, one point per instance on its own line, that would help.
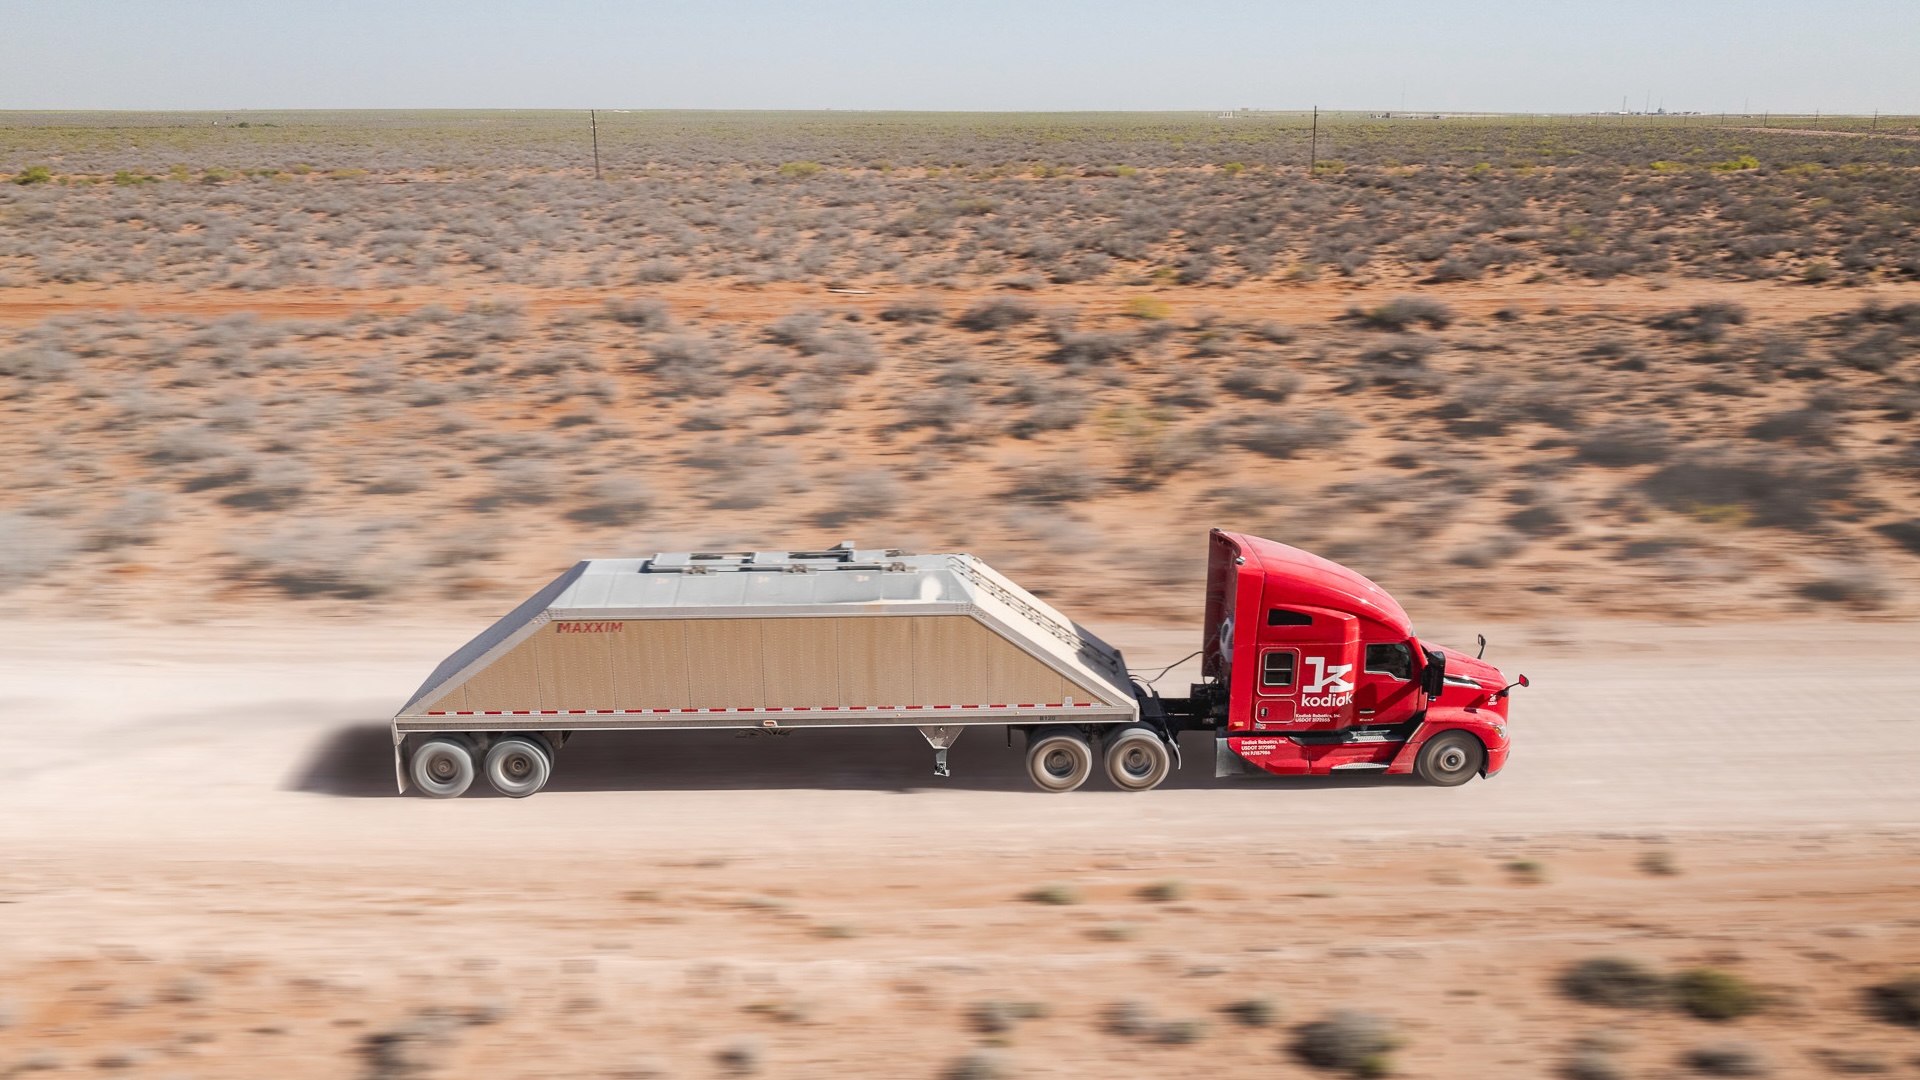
(1308, 668)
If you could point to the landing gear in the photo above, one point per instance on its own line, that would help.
(1450, 759)
(519, 765)
(1137, 758)
(1059, 759)
(443, 767)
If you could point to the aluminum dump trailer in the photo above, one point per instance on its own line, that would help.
(771, 640)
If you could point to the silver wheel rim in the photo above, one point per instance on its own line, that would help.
(517, 767)
(1136, 762)
(1451, 759)
(442, 767)
(1060, 763)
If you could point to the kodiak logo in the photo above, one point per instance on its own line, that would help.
(1330, 688)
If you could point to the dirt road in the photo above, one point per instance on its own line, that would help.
(206, 873)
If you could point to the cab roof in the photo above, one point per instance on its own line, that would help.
(1311, 580)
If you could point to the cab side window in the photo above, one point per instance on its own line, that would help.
(1276, 668)
(1395, 660)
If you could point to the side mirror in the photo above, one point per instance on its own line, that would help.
(1433, 677)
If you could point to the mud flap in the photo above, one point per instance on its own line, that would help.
(1228, 763)
(399, 765)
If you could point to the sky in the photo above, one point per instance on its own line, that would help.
(1022, 55)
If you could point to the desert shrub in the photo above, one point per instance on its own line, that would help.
(1705, 322)
(34, 174)
(686, 365)
(1456, 268)
(1161, 892)
(1151, 308)
(1856, 587)
(38, 363)
(998, 314)
(1905, 533)
(800, 170)
(1770, 491)
(1274, 333)
(1713, 994)
(1178, 1032)
(995, 1016)
(613, 500)
(1253, 1012)
(1056, 895)
(657, 270)
(1283, 435)
(1878, 352)
(978, 1065)
(1727, 1059)
(912, 311)
(1347, 1040)
(1806, 426)
(643, 312)
(1616, 982)
(1896, 1002)
(1079, 348)
(862, 495)
(1592, 1065)
(740, 1057)
(312, 559)
(1127, 1018)
(1626, 443)
(1402, 312)
(32, 547)
(1050, 482)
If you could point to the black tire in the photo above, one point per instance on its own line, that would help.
(518, 766)
(1137, 758)
(442, 767)
(1450, 759)
(1059, 759)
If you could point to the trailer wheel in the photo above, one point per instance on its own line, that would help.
(1450, 759)
(443, 767)
(1137, 758)
(1059, 759)
(518, 766)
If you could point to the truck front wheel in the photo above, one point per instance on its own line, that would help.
(1450, 759)
(1137, 759)
(1059, 759)
(443, 767)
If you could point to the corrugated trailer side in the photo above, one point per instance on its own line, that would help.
(777, 640)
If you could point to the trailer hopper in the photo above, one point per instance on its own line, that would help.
(765, 640)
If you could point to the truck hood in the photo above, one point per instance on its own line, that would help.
(1465, 664)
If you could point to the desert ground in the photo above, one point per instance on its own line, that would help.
(294, 404)
(208, 873)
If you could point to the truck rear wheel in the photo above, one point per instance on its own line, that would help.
(1059, 759)
(1137, 758)
(1450, 759)
(443, 767)
(518, 766)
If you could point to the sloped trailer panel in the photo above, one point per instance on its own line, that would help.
(839, 638)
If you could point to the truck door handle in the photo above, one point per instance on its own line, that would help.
(1263, 712)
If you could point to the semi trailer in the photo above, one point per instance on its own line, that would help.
(1307, 668)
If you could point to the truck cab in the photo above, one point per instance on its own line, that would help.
(1314, 669)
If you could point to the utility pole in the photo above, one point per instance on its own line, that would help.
(1876, 119)
(593, 117)
(1313, 145)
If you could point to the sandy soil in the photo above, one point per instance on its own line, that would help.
(759, 303)
(206, 873)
